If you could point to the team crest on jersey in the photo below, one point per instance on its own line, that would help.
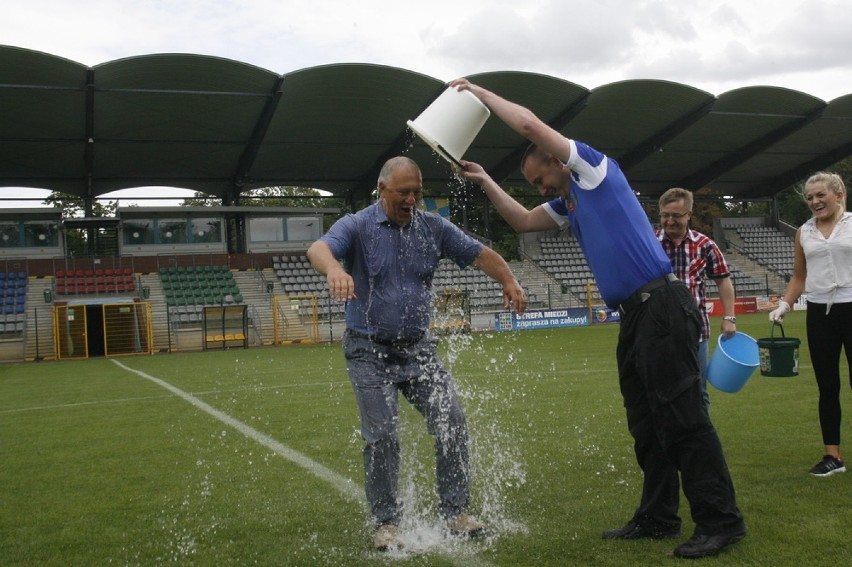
(570, 203)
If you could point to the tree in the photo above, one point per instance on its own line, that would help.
(74, 206)
(277, 196)
(89, 241)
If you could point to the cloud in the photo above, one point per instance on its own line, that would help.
(541, 36)
(723, 44)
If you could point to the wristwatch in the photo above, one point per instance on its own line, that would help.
(730, 318)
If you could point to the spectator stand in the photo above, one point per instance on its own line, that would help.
(13, 316)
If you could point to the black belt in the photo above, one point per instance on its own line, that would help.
(644, 293)
(397, 343)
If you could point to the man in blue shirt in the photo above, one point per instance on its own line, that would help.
(381, 261)
(657, 351)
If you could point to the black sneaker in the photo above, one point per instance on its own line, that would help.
(705, 545)
(828, 466)
(634, 531)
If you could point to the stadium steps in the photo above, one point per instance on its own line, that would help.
(39, 314)
(539, 284)
(159, 311)
(253, 289)
(756, 271)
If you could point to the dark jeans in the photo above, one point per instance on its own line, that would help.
(827, 334)
(379, 373)
(671, 428)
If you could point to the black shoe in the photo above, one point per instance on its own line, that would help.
(703, 545)
(828, 466)
(634, 531)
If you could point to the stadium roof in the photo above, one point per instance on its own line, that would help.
(221, 127)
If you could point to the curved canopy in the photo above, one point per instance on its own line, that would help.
(221, 127)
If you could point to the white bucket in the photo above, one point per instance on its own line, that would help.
(450, 123)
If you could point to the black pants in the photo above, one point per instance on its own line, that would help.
(827, 334)
(672, 432)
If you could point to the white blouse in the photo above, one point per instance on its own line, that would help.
(829, 261)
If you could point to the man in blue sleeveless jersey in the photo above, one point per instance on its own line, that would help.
(657, 351)
(381, 261)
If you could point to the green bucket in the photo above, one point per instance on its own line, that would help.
(779, 356)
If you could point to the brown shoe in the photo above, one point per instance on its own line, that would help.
(387, 538)
(465, 525)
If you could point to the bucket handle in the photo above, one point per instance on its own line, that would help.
(772, 329)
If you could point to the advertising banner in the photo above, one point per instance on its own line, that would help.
(542, 319)
(742, 305)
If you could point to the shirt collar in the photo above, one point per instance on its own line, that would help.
(690, 235)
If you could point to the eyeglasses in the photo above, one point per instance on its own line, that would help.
(666, 216)
(405, 194)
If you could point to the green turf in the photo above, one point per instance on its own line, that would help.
(100, 466)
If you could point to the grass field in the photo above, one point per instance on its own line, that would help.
(253, 457)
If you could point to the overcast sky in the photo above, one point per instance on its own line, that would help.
(715, 46)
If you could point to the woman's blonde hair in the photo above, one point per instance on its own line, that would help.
(833, 182)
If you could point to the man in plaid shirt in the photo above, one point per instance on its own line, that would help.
(696, 257)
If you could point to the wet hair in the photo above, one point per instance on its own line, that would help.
(833, 183)
(393, 164)
(677, 194)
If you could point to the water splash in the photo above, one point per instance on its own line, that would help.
(497, 467)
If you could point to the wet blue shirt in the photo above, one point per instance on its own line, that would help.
(611, 227)
(393, 266)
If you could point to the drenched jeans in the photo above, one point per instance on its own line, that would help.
(378, 374)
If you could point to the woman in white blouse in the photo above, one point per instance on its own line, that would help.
(822, 268)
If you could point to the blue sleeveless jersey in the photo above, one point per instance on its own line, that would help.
(612, 228)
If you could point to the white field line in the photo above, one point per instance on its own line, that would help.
(343, 485)
(167, 397)
(79, 404)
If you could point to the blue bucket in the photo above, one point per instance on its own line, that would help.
(733, 362)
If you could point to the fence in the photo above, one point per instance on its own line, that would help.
(113, 329)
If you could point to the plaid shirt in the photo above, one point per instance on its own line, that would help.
(693, 261)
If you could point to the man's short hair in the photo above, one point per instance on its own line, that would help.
(677, 194)
(395, 163)
(531, 149)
